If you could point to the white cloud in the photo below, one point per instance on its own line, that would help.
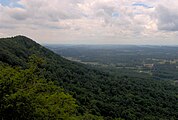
(92, 21)
(167, 18)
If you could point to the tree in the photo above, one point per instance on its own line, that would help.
(26, 95)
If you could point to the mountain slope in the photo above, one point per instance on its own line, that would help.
(16, 50)
(97, 92)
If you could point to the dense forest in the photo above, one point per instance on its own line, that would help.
(36, 83)
(159, 61)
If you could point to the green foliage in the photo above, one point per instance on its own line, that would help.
(87, 116)
(129, 57)
(28, 93)
(25, 95)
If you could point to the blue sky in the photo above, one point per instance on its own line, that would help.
(142, 4)
(115, 14)
(5, 2)
(10, 3)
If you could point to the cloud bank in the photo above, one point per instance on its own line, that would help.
(91, 21)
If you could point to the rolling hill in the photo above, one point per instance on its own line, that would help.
(97, 93)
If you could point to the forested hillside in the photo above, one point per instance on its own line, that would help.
(26, 94)
(34, 77)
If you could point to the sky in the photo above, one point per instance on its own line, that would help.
(142, 22)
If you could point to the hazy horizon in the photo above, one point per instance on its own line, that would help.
(63, 44)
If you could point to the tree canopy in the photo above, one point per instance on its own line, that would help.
(36, 83)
